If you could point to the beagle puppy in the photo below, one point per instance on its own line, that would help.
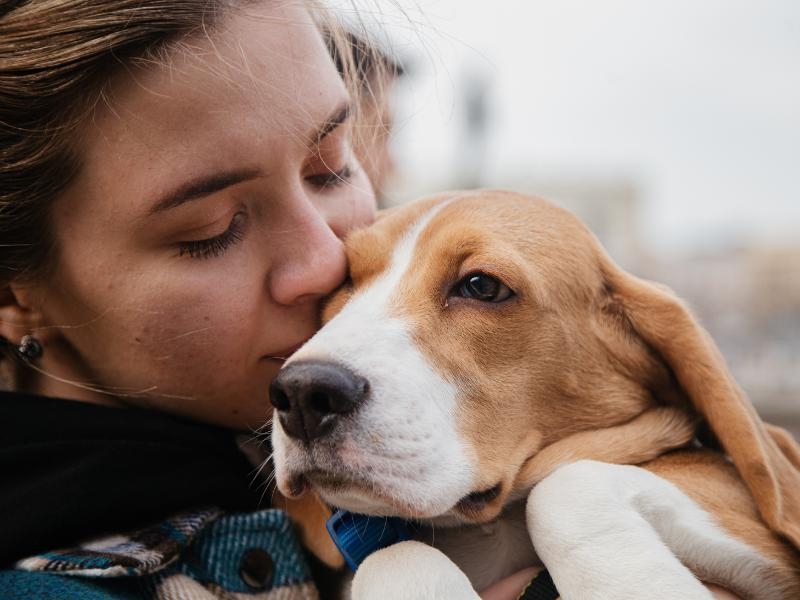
(489, 372)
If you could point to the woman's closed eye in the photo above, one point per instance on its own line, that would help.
(330, 178)
(215, 246)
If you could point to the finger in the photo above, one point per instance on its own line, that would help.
(721, 593)
(511, 587)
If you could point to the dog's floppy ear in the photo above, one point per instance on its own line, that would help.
(765, 456)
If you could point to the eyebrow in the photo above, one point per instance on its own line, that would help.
(203, 186)
(337, 117)
(207, 185)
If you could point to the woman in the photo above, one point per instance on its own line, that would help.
(176, 179)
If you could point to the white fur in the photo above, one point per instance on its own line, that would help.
(603, 531)
(410, 570)
(403, 441)
(614, 531)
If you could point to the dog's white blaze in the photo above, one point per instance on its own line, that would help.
(405, 436)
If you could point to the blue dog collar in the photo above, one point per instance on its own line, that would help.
(357, 536)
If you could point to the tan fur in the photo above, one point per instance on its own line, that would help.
(533, 375)
(586, 361)
(310, 514)
(715, 484)
(668, 327)
(642, 439)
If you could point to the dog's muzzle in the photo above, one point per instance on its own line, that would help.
(312, 395)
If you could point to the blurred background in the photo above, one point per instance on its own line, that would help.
(671, 128)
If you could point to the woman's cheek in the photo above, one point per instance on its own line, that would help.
(181, 321)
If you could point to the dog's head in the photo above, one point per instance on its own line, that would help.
(478, 331)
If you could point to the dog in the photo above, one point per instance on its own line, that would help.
(490, 373)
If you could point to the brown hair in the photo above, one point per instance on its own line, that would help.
(56, 57)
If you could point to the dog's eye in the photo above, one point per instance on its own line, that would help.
(485, 288)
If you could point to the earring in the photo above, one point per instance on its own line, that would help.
(29, 348)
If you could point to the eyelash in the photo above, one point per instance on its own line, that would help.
(331, 179)
(215, 246)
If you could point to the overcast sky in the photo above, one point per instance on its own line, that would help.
(697, 101)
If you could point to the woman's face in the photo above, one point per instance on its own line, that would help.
(204, 228)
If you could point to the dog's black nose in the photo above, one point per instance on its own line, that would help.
(311, 395)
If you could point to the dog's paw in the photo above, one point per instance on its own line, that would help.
(410, 571)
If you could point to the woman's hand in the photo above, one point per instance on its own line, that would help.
(721, 593)
(511, 587)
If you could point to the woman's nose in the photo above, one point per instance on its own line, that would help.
(312, 261)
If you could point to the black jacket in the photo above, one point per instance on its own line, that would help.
(72, 470)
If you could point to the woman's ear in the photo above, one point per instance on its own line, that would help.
(19, 315)
(766, 458)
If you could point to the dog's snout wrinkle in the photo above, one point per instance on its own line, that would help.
(311, 395)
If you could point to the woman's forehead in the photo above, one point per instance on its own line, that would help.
(266, 63)
(264, 74)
